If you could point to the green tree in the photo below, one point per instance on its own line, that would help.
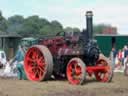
(68, 29)
(56, 27)
(31, 25)
(98, 29)
(16, 19)
(43, 22)
(46, 30)
(15, 23)
(75, 29)
(3, 23)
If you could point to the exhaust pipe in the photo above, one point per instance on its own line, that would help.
(89, 24)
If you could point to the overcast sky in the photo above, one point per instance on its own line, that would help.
(71, 12)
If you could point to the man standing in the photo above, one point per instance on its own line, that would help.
(19, 58)
(126, 51)
(113, 56)
(126, 66)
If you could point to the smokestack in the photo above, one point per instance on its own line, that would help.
(89, 24)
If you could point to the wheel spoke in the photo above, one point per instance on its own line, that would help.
(41, 61)
(78, 70)
(70, 67)
(30, 59)
(105, 78)
(75, 67)
(40, 74)
(41, 68)
(34, 54)
(36, 74)
(98, 76)
(30, 69)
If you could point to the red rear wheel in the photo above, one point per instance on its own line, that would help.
(106, 74)
(38, 63)
(76, 71)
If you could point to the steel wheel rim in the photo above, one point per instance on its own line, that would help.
(35, 65)
(74, 72)
(103, 76)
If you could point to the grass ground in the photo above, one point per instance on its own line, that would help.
(13, 87)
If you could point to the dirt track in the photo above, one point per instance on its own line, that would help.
(118, 87)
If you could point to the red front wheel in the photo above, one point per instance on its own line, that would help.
(38, 63)
(76, 71)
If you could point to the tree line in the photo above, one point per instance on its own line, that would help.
(35, 25)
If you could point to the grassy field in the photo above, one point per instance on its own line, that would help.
(13, 87)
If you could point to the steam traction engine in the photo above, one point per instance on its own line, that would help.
(72, 56)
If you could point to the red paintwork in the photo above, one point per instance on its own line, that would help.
(74, 72)
(54, 44)
(35, 64)
(94, 69)
(58, 46)
(101, 71)
(104, 74)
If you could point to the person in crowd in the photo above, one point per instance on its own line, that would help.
(11, 66)
(126, 61)
(126, 65)
(125, 51)
(120, 55)
(123, 56)
(19, 58)
(117, 63)
(113, 54)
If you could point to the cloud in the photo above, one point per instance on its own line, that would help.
(113, 14)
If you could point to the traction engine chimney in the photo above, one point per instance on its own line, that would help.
(89, 24)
